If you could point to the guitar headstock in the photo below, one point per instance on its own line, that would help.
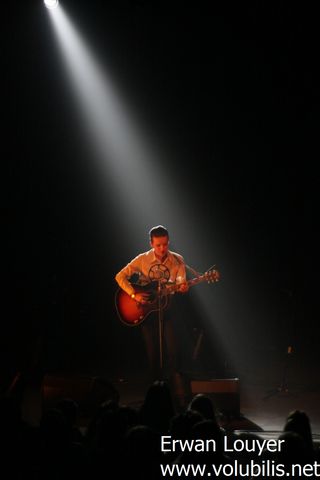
(212, 276)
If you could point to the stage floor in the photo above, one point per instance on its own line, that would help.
(264, 405)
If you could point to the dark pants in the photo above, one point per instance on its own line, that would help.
(169, 359)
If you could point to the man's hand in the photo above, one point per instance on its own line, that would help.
(183, 288)
(142, 297)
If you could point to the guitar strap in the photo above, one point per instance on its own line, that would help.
(192, 270)
(177, 258)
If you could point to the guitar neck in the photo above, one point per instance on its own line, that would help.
(193, 281)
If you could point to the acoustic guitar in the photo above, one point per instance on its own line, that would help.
(133, 313)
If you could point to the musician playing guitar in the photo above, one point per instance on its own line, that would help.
(157, 266)
(160, 273)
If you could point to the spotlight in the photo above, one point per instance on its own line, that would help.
(51, 3)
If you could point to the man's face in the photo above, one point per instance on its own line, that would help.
(160, 246)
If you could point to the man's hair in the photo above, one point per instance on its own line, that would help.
(158, 231)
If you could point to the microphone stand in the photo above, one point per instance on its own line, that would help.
(160, 322)
(160, 273)
(283, 388)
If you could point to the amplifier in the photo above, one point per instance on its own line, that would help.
(224, 392)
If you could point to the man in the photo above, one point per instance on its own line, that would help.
(161, 265)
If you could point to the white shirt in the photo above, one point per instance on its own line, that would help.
(148, 267)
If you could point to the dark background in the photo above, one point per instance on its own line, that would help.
(234, 88)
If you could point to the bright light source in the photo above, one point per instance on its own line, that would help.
(51, 3)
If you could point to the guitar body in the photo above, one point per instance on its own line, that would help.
(133, 313)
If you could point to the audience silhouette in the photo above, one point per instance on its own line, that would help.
(127, 440)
